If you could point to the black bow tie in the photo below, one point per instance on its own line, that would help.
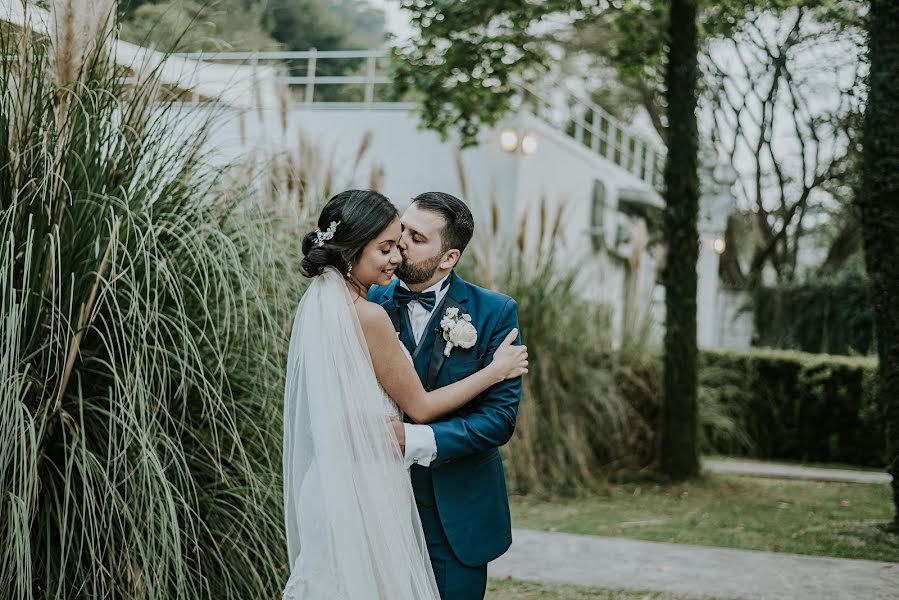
(403, 297)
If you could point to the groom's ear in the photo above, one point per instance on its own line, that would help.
(450, 259)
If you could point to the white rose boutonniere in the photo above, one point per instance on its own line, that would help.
(457, 330)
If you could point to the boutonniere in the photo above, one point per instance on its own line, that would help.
(457, 330)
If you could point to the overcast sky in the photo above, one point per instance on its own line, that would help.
(397, 20)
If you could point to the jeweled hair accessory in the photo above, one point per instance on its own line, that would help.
(323, 236)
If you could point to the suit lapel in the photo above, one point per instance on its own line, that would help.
(406, 334)
(456, 297)
(422, 355)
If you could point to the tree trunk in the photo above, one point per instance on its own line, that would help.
(878, 200)
(680, 457)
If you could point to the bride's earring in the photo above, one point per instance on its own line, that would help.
(349, 267)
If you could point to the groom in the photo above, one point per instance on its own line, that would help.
(457, 473)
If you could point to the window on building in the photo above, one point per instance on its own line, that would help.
(597, 215)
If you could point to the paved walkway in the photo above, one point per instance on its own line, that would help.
(756, 468)
(692, 570)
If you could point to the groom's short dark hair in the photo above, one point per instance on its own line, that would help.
(459, 226)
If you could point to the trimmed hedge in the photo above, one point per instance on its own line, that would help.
(798, 406)
(820, 316)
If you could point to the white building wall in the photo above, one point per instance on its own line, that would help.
(560, 172)
(735, 320)
(413, 160)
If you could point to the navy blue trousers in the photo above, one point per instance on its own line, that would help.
(454, 580)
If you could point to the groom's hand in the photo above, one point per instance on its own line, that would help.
(399, 430)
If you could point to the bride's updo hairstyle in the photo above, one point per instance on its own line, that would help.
(360, 216)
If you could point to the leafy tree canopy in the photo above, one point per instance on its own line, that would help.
(225, 25)
(465, 53)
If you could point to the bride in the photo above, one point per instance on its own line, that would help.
(353, 531)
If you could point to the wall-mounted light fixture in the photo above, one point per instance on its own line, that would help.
(508, 139)
(718, 245)
(511, 140)
(529, 144)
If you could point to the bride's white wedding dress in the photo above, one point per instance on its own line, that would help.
(353, 531)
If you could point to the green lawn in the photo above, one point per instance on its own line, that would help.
(504, 589)
(843, 520)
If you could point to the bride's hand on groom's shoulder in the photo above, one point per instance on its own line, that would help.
(510, 361)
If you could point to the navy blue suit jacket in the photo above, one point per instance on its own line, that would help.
(466, 481)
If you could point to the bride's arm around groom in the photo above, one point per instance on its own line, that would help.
(490, 421)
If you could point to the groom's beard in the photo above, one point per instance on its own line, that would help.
(415, 273)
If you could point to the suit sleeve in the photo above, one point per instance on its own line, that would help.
(492, 423)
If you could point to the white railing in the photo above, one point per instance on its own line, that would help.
(364, 65)
(310, 79)
(593, 127)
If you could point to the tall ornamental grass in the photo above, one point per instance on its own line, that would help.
(572, 421)
(590, 411)
(140, 339)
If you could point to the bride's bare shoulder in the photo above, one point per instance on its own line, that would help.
(373, 317)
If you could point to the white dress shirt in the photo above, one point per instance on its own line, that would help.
(421, 446)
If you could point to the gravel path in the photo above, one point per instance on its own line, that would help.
(693, 570)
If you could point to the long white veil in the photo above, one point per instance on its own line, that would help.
(353, 532)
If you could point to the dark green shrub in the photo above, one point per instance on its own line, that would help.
(797, 406)
(830, 317)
